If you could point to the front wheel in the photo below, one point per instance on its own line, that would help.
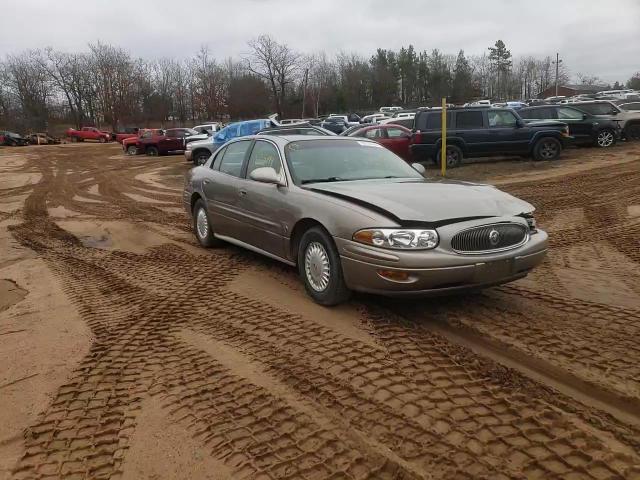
(454, 157)
(202, 226)
(200, 158)
(102, 140)
(132, 150)
(606, 138)
(547, 149)
(320, 268)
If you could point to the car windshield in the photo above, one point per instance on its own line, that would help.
(314, 161)
(191, 131)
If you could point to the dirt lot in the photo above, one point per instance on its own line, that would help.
(128, 352)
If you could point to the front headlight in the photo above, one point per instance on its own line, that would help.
(531, 222)
(189, 146)
(398, 238)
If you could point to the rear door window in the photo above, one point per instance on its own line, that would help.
(469, 120)
(565, 113)
(233, 157)
(537, 114)
(395, 133)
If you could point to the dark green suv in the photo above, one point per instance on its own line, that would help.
(485, 132)
(586, 129)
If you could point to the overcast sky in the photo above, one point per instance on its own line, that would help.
(593, 36)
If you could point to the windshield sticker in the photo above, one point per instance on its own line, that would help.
(370, 144)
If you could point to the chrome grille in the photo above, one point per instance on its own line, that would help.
(488, 238)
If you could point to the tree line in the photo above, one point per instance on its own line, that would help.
(106, 86)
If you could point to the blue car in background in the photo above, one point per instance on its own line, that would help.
(200, 151)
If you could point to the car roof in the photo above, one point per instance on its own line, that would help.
(283, 140)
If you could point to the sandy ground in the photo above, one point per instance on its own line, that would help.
(128, 352)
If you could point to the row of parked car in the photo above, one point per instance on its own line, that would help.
(12, 139)
(541, 132)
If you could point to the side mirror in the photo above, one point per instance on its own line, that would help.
(585, 116)
(520, 123)
(265, 175)
(418, 167)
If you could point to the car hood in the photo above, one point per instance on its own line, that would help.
(432, 202)
(198, 143)
(198, 137)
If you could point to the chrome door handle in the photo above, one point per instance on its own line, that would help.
(206, 182)
(243, 192)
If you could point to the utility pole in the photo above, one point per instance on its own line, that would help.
(304, 92)
(557, 62)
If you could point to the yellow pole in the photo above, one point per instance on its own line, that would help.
(443, 154)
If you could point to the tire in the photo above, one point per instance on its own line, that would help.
(102, 140)
(632, 132)
(320, 268)
(152, 151)
(547, 148)
(131, 150)
(606, 138)
(202, 227)
(201, 157)
(454, 157)
(74, 139)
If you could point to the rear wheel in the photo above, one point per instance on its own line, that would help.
(74, 139)
(320, 268)
(547, 149)
(202, 226)
(606, 138)
(454, 156)
(102, 140)
(152, 151)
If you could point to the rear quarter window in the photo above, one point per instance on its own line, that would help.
(432, 121)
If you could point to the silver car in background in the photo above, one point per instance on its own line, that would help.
(351, 215)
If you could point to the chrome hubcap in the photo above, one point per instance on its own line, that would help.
(202, 224)
(132, 150)
(605, 139)
(452, 158)
(317, 267)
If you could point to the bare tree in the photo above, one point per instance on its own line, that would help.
(30, 85)
(276, 63)
(586, 79)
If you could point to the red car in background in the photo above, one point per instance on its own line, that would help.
(394, 137)
(158, 142)
(132, 132)
(87, 133)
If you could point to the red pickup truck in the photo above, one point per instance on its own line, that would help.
(157, 142)
(87, 133)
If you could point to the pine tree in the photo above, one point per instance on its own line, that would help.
(500, 59)
(462, 87)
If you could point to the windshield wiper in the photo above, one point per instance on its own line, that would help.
(319, 180)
